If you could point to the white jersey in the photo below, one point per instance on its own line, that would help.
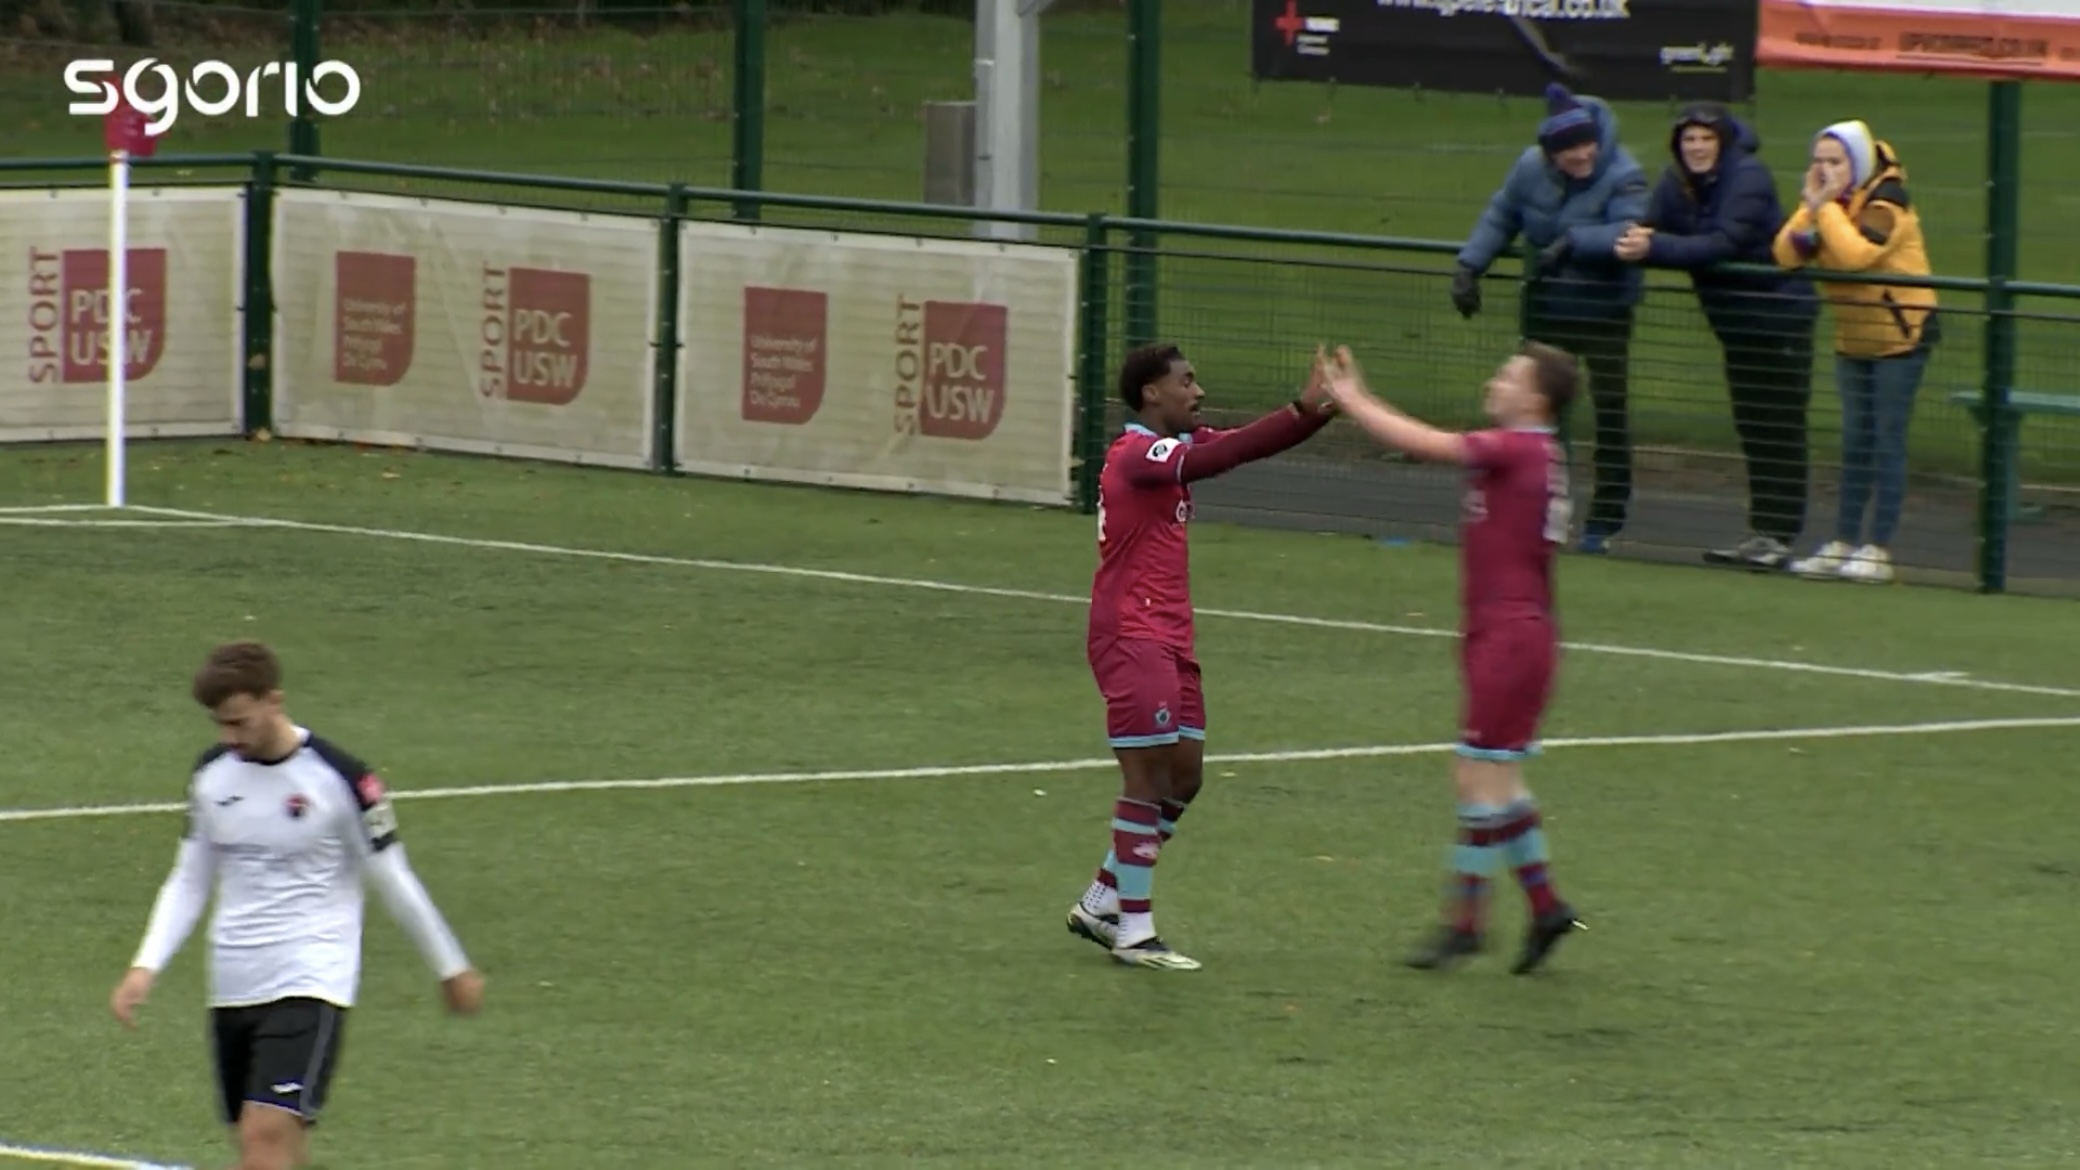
(289, 843)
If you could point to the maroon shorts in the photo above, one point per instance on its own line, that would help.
(1506, 673)
(1151, 690)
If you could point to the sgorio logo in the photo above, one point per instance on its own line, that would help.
(212, 89)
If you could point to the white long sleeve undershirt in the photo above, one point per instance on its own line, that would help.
(405, 897)
(186, 892)
(182, 899)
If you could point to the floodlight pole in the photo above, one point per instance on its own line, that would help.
(1007, 113)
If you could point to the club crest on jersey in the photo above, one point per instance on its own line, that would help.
(1163, 715)
(1184, 511)
(298, 806)
(1161, 450)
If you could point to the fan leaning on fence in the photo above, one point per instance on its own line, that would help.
(1718, 203)
(1572, 197)
(1857, 217)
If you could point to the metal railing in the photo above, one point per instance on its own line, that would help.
(1994, 502)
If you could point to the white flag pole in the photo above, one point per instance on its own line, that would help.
(118, 314)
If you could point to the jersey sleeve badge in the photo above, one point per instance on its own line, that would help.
(378, 819)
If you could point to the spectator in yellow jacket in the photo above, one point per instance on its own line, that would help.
(1857, 217)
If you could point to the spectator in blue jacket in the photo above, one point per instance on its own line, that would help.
(1718, 203)
(1573, 197)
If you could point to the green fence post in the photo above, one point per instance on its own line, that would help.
(256, 318)
(664, 357)
(1144, 135)
(2003, 234)
(1093, 350)
(303, 48)
(748, 106)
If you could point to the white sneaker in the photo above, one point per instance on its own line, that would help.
(1827, 561)
(1092, 926)
(1870, 566)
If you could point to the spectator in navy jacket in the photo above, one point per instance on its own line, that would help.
(1718, 203)
(1573, 197)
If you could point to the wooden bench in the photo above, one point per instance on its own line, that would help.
(2021, 404)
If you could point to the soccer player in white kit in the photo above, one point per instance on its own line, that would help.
(287, 827)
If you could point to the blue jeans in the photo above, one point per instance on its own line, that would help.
(1877, 404)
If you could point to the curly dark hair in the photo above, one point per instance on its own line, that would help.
(1144, 365)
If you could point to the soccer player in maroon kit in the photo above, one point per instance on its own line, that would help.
(1516, 514)
(1140, 636)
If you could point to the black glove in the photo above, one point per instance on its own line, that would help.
(1466, 292)
(1552, 254)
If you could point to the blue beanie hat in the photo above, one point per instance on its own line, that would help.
(1568, 123)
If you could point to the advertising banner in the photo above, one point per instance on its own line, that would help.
(1968, 38)
(893, 363)
(1620, 50)
(182, 341)
(464, 327)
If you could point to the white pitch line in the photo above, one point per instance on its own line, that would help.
(1106, 763)
(53, 509)
(1925, 678)
(21, 520)
(50, 1157)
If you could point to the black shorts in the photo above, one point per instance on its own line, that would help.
(281, 1054)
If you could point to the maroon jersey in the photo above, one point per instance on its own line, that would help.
(1516, 516)
(1143, 585)
(1142, 588)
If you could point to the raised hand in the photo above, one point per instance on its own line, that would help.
(1345, 381)
(1815, 190)
(1315, 399)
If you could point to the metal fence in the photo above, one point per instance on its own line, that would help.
(825, 97)
(1250, 305)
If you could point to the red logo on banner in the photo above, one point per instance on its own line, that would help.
(963, 369)
(69, 313)
(374, 317)
(124, 129)
(1290, 22)
(785, 336)
(536, 335)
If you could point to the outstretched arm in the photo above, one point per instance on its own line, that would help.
(1387, 425)
(1212, 452)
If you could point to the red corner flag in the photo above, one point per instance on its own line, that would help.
(123, 130)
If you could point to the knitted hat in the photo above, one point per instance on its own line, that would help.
(1568, 122)
(1861, 147)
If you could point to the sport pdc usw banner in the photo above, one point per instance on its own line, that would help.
(1621, 50)
(180, 314)
(463, 327)
(880, 362)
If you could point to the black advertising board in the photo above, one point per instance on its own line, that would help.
(1622, 50)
